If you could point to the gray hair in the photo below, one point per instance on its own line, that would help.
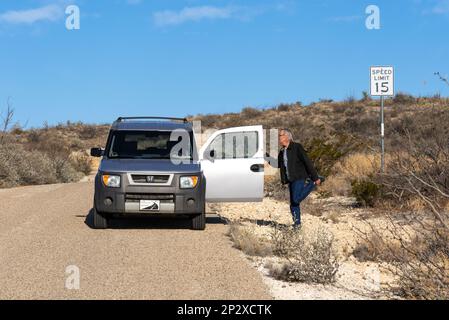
(288, 133)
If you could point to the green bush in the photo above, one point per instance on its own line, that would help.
(325, 152)
(403, 98)
(251, 112)
(283, 107)
(365, 191)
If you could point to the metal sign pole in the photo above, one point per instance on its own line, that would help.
(382, 84)
(382, 135)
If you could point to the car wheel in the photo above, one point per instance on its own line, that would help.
(199, 221)
(100, 221)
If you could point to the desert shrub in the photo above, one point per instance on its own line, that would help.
(416, 185)
(350, 101)
(427, 276)
(274, 188)
(88, 132)
(285, 241)
(21, 167)
(366, 192)
(76, 144)
(360, 165)
(65, 172)
(365, 96)
(419, 259)
(245, 239)
(250, 112)
(209, 120)
(374, 248)
(337, 186)
(403, 98)
(283, 107)
(82, 162)
(309, 256)
(325, 152)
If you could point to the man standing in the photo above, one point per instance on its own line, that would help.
(296, 170)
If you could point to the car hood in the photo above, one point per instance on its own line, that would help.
(146, 165)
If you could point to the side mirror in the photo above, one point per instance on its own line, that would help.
(97, 152)
(212, 154)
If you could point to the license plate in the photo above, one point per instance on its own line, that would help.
(150, 205)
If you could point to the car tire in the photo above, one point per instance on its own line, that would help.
(100, 221)
(199, 220)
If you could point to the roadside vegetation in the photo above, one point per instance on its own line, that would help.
(51, 154)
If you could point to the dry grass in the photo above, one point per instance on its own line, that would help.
(333, 216)
(354, 166)
(48, 155)
(303, 256)
(419, 261)
(245, 239)
(374, 248)
(308, 256)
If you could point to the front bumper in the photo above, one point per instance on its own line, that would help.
(126, 199)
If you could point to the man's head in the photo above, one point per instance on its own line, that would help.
(285, 137)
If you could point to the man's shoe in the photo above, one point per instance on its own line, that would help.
(297, 226)
(322, 178)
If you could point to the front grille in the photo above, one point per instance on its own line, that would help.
(141, 178)
(136, 197)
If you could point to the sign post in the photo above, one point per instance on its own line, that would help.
(382, 85)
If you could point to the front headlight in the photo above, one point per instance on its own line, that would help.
(188, 182)
(111, 181)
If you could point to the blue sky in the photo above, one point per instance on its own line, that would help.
(174, 58)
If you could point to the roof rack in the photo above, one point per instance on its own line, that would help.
(121, 119)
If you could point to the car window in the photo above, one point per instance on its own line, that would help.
(150, 144)
(235, 145)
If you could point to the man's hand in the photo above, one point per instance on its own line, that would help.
(318, 182)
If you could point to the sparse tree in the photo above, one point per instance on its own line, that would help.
(6, 119)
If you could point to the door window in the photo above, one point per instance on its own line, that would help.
(234, 145)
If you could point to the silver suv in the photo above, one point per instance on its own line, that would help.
(151, 166)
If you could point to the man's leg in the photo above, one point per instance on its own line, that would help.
(294, 205)
(296, 191)
(306, 190)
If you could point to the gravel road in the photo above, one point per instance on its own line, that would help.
(45, 229)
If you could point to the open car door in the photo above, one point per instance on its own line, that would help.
(232, 161)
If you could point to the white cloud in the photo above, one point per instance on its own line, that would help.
(30, 16)
(441, 8)
(168, 17)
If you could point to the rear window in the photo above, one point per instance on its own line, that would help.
(151, 145)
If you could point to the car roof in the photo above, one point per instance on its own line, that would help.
(151, 125)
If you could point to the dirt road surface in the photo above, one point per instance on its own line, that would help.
(45, 229)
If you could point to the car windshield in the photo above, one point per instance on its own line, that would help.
(151, 145)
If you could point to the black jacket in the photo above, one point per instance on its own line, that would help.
(299, 165)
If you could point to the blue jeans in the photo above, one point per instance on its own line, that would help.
(299, 190)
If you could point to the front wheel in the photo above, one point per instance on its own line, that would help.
(100, 221)
(199, 221)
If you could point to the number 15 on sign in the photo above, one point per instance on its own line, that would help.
(382, 81)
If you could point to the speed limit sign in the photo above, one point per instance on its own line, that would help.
(382, 85)
(382, 81)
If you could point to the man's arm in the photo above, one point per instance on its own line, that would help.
(309, 166)
(272, 161)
